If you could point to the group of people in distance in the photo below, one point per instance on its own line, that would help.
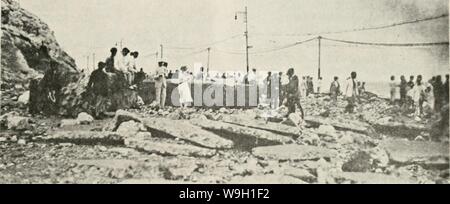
(417, 94)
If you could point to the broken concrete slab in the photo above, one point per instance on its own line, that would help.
(417, 152)
(266, 179)
(277, 128)
(370, 178)
(85, 137)
(120, 117)
(340, 124)
(129, 129)
(241, 130)
(108, 163)
(186, 131)
(302, 174)
(293, 152)
(167, 147)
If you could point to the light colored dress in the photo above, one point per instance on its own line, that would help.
(184, 89)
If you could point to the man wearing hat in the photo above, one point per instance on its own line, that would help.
(160, 84)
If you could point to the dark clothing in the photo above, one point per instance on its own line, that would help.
(110, 65)
(445, 90)
(293, 95)
(411, 84)
(403, 92)
(98, 83)
(269, 86)
(140, 76)
(351, 104)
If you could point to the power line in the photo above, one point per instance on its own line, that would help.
(270, 49)
(388, 44)
(369, 28)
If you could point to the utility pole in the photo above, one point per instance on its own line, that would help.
(207, 65)
(121, 44)
(161, 51)
(318, 71)
(246, 35)
(87, 63)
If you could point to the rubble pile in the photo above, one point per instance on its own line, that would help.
(194, 145)
(129, 143)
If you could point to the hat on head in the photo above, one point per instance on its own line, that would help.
(165, 64)
(183, 68)
(161, 63)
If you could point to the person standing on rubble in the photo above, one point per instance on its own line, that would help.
(111, 62)
(98, 89)
(418, 95)
(351, 93)
(125, 65)
(335, 90)
(438, 87)
(392, 88)
(293, 93)
(445, 90)
(403, 90)
(161, 84)
(303, 86)
(184, 87)
(134, 66)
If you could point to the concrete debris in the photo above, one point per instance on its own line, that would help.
(129, 128)
(84, 118)
(85, 137)
(186, 131)
(167, 147)
(417, 152)
(293, 152)
(241, 131)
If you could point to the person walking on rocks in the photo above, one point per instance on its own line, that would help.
(293, 93)
(351, 92)
(335, 90)
(184, 88)
(161, 84)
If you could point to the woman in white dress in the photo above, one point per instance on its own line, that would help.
(184, 88)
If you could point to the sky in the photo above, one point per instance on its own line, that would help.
(187, 28)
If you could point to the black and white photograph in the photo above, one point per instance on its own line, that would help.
(224, 92)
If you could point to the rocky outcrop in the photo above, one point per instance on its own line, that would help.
(32, 59)
(28, 47)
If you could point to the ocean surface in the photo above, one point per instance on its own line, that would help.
(381, 89)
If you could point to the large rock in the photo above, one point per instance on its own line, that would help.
(129, 129)
(22, 37)
(293, 152)
(84, 118)
(18, 123)
(120, 117)
(241, 130)
(24, 98)
(417, 152)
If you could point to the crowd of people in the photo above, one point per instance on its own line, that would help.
(413, 93)
(424, 97)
